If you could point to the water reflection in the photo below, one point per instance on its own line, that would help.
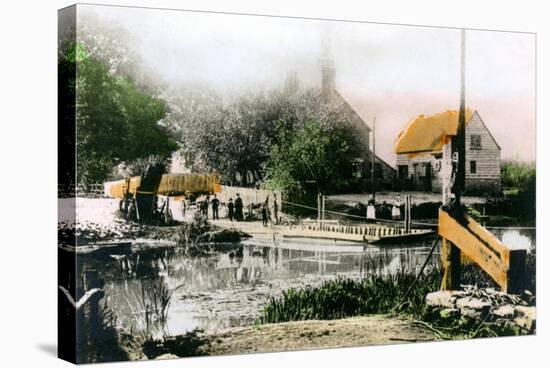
(229, 289)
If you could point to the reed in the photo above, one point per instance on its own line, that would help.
(148, 304)
(344, 297)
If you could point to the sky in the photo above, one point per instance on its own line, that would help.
(391, 73)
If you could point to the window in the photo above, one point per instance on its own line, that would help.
(403, 171)
(475, 141)
(473, 167)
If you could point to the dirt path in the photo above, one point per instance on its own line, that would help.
(302, 335)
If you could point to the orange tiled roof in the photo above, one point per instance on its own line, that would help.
(427, 133)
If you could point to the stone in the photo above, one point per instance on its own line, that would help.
(528, 297)
(513, 328)
(525, 317)
(473, 307)
(443, 299)
(504, 311)
(167, 356)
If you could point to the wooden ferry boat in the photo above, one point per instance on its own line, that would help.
(370, 233)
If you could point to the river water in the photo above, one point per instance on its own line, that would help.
(230, 288)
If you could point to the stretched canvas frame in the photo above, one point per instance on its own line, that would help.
(236, 183)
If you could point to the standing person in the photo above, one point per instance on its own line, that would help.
(238, 208)
(206, 205)
(266, 205)
(231, 209)
(396, 209)
(275, 209)
(264, 215)
(371, 210)
(200, 206)
(185, 204)
(215, 206)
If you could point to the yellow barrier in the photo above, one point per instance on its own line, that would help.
(504, 265)
(170, 185)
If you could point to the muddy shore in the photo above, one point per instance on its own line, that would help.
(300, 335)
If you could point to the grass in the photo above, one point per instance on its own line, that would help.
(340, 298)
(387, 294)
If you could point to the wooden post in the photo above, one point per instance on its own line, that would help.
(318, 208)
(407, 214)
(323, 211)
(453, 180)
(459, 141)
(515, 281)
(450, 260)
(446, 173)
(373, 159)
(167, 219)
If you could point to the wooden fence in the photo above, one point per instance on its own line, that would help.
(88, 191)
(249, 195)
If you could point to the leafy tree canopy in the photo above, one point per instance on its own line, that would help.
(314, 155)
(115, 120)
(252, 131)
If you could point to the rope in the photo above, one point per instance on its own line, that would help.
(417, 275)
(401, 222)
(300, 205)
(358, 216)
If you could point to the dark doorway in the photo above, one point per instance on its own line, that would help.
(428, 177)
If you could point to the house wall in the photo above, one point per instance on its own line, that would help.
(487, 176)
(419, 159)
(385, 176)
(488, 164)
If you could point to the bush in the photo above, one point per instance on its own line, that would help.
(516, 174)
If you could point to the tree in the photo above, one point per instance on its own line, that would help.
(314, 153)
(115, 120)
(222, 139)
(240, 136)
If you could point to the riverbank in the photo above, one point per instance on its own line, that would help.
(301, 335)
(98, 221)
(315, 334)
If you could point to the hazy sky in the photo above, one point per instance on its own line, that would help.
(390, 72)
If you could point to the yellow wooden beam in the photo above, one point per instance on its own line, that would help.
(478, 245)
(170, 185)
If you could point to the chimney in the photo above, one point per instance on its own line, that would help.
(328, 74)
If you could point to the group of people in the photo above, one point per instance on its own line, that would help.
(395, 209)
(235, 209)
(207, 202)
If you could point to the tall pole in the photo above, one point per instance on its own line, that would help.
(450, 253)
(459, 141)
(373, 159)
